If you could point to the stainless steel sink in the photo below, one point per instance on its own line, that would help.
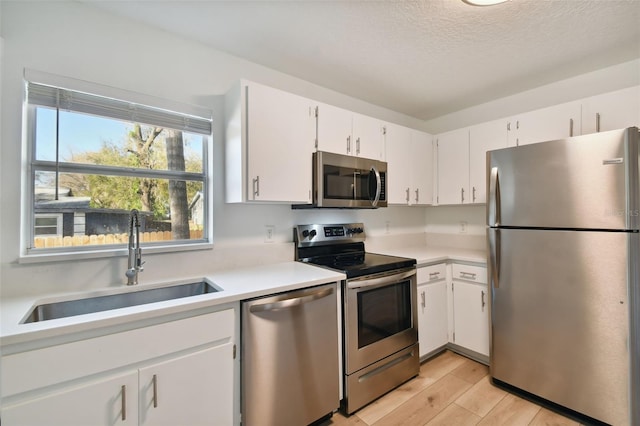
(89, 305)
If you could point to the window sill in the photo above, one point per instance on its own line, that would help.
(108, 253)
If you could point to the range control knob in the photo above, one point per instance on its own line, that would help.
(312, 233)
(305, 233)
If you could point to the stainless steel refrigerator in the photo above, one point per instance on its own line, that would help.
(564, 251)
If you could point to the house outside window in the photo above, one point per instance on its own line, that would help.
(92, 159)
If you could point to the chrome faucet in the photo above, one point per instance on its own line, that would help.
(134, 264)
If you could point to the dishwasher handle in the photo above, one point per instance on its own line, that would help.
(291, 301)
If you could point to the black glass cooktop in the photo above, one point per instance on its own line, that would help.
(362, 263)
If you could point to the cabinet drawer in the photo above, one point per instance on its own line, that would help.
(432, 273)
(476, 274)
(38, 368)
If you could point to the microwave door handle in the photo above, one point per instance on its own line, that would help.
(378, 186)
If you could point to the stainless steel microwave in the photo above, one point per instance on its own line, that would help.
(343, 181)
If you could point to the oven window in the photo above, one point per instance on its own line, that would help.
(383, 312)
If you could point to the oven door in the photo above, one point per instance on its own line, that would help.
(380, 317)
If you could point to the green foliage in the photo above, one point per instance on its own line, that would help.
(117, 192)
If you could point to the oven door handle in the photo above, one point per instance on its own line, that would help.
(384, 280)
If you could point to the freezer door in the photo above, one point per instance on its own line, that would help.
(585, 182)
(560, 309)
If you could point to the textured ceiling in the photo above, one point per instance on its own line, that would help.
(422, 58)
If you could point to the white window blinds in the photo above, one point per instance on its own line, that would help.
(71, 100)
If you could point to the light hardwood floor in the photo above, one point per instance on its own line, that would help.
(451, 390)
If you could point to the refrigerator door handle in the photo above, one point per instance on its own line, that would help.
(494, 256)
(494, 198)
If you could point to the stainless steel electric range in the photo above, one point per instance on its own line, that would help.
(380, 332)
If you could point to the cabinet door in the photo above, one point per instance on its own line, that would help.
(334, 130)
(546, 124)
(432, 316)
(194, 389)
(280, 142)
(610, 111)
(399, 158)
(368, 137)
(453, 167)
(482, 138)
(421, 158)
(471, 316)
(105, 402)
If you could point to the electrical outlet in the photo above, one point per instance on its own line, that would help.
(269, 234)
(463, 227)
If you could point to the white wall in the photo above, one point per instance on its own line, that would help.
(77, 41)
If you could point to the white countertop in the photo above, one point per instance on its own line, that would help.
(429, 254)
(236, 285)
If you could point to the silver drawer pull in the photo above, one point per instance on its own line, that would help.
(468, 275)
(433, 275)
(123, 396)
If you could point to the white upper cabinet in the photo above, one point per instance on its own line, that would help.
(453, 167)
(482, 138)
(556, 122)
(398, 155)
(270, 137)
(409, 156)
(368, 135)
(610, 111)
(345, 132)
(422, 160)
(334, 129)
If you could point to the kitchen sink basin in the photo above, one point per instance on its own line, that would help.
(69, 308)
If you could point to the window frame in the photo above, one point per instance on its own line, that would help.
(29, 253)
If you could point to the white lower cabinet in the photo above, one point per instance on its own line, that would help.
(470, 308)
(178, 372)
(432, 308)
(190, 390)
(110, 401)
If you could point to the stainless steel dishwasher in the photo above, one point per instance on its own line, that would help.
(289, 363)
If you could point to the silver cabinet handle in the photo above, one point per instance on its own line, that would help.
(462, 194)
(509, 126)
(571, 127)
(407, 197)
(597, 121)
(467, 275)
(256, 187)
(417, 195)
(482, 299)
(155, 391)
(348, 144)
(123, 396)
(473, 194)
(434, 275)
(289, 302)
(424, 304)
(358, 146)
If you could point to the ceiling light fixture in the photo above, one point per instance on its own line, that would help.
(484, 2)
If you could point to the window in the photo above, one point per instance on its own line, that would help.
(48, 225)
(94, 158)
